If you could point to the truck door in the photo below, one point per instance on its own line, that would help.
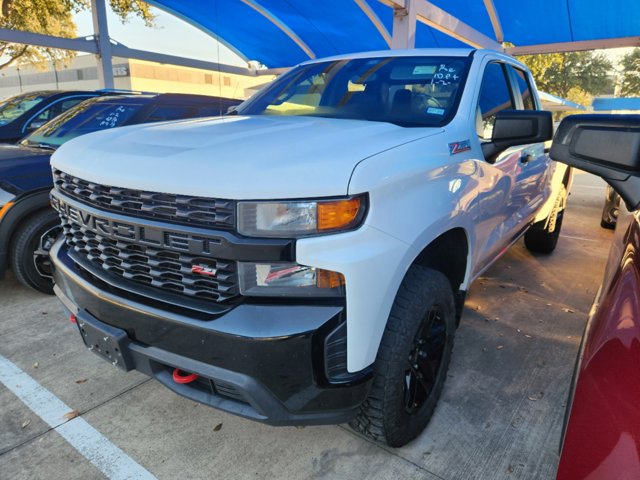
(534, 173)
(508, 188)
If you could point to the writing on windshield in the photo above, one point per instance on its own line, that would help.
(85, 118)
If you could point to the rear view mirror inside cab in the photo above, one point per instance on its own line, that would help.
(605, 145)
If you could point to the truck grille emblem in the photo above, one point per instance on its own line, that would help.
(204, 270)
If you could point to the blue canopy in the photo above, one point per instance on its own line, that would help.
(611, 104)
(281, 33)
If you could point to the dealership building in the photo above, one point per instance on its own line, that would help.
(81, 73)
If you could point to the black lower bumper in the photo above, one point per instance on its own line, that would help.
(264, 362)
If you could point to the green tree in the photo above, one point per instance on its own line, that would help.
(559, 73)
(630, 64)
(53, 17)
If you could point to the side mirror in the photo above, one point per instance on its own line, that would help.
(232, 110)
(605, 145)
(517, 127)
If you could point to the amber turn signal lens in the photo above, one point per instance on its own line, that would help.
(5, 208)
(329, 279)
(338, 214)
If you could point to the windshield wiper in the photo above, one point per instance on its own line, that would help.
(44, 146)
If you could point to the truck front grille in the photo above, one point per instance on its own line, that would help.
(179, 209)
(163, 269)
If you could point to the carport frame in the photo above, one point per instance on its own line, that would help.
(406, 13)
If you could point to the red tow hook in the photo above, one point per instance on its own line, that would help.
(178, 376)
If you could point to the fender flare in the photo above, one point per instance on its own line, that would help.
(25, 205)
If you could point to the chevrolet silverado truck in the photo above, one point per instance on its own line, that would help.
(304, 259)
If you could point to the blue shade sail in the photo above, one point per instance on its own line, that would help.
(282, 33)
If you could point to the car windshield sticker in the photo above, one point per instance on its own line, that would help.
(459, 147)
(435, 111)
(424, 69)
(445, 75)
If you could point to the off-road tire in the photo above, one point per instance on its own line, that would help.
(24, 243)
(384, 416)
(542, 236)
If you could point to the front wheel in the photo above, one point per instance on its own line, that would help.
(30, 250)
(542, 236)
(412, 361)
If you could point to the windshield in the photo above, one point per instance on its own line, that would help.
(89, 116)
(14, 107)
(407, 91)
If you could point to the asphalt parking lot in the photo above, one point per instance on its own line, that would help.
(500, 416)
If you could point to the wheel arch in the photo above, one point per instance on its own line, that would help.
(25, 206)
(449, 253)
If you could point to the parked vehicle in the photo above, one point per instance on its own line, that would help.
(610, 209)
(28, 225)
(306, 261)
(24, 113)
(602, 427)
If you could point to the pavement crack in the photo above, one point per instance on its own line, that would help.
(390, 452)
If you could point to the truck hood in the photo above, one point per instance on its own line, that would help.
(241, 157)
(25, 168)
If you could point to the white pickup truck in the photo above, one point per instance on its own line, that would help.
(304, 260)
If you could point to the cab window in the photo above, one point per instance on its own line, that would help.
(495, 96)
(525, 89)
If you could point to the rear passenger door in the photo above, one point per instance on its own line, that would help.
(533, 177)
(502, 199)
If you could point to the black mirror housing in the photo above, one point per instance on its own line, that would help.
(518, 127)
(605, 145)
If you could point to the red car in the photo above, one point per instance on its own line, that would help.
(602, 427)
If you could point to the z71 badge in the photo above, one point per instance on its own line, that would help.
(459, 147)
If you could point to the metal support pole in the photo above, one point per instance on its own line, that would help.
(101, 32)
(404, 26)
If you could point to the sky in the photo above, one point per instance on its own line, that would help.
(162, 37)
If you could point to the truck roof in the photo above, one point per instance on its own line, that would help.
(415, 52)
(412, 52)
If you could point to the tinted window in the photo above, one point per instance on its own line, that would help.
(84, 118)
(71, 102)
(407, 91)
(16, 106)
(53, 111)
(525, 89)
(163, 113)
(495, 96)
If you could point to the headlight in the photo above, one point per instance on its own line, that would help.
(299, 218)
(288, 280)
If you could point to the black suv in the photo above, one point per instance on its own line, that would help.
(22, 114)
(28, 225)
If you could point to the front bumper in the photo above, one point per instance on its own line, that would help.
(266, 362)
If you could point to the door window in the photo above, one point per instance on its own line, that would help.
(495, 96)
(525, 89)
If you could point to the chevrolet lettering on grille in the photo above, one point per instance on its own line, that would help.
(144, 235)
